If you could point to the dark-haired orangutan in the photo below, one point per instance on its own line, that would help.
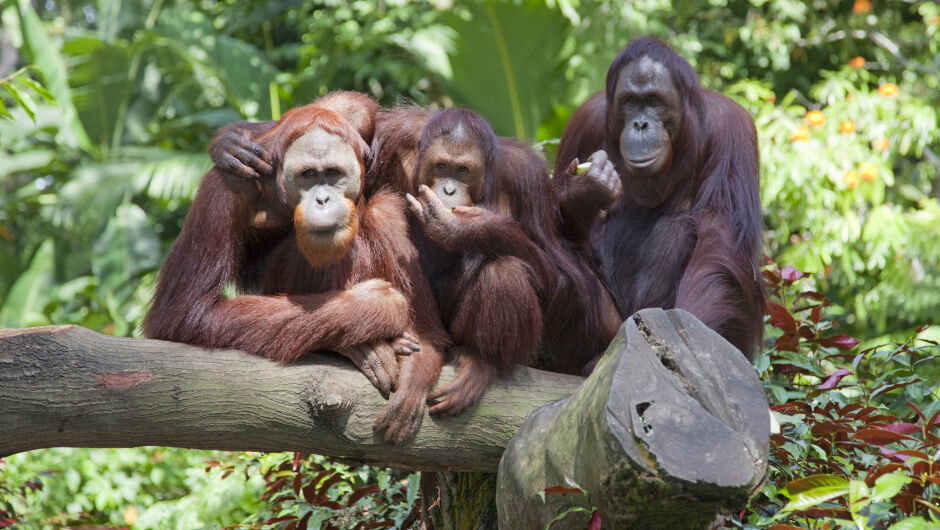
(686, 232)
(484, 270)
(499, 270)
(326, 270)
(503, 279)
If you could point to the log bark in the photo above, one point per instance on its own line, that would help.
(69, 386)
(671, 428)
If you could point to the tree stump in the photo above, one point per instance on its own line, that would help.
(670, 429)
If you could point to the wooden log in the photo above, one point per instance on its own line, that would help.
(670, 429)
(68, 386)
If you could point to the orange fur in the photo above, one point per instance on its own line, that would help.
(321, 249)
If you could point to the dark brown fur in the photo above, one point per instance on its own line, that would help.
(698, 250)
(520, 250)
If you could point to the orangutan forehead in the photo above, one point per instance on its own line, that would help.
(321, 145)
(644, 74)
(459, 148)
(459, 134)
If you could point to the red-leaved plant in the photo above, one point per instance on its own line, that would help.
(857, 441)
(308, 491)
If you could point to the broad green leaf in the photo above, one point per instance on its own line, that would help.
(413, 488)
(507, 62)
(810, 491)
(914, 523)
(99, 82)
(568, 8)
(889, 485)
(10, 267)
(23, 305)
(562, 515)
(859, 498)
(41, 51)
(928, 368)
(115, 16)
(81, 286)
(431, 46)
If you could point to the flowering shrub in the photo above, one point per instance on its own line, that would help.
(842, 197)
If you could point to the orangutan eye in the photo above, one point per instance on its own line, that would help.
(441, 165)
(463, 169)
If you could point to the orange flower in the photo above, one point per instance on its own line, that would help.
(130, 514)
(800, 134)
(861, 6)
(847, 127)
(815, 118)
(888, 89)
(851, 178)
(857, 62)
(882, 144)
(869, 171)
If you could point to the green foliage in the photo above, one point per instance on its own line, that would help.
(307, 491)
(580, 503)
(394, 50)
(39, 47)
(107, 141)
(156, 487)
(839, 202)
(515, 93)
(19, 85)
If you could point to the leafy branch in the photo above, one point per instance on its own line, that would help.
(11, 81)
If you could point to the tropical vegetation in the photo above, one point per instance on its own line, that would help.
(106, 109)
